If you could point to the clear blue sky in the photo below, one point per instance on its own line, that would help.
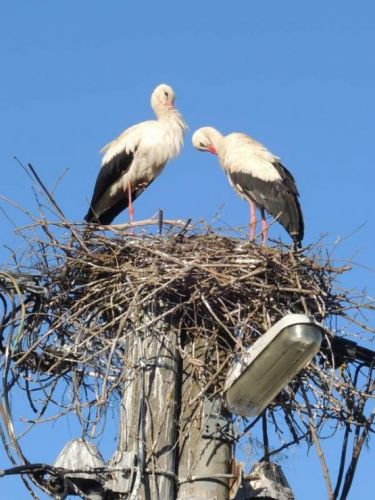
(298, 76)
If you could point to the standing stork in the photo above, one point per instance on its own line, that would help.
(258, 177)
(135, 158)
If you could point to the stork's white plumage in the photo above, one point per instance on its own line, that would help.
(136, 157)
(258, 177)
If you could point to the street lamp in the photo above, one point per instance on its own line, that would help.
(271, 363)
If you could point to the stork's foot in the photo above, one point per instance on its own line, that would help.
(253, 220)
(253, 226)
(264, 233)
(264, 228)
(130, 207)
(131, 218)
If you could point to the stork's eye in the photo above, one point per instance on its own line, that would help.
(166, 94)
(202, 145)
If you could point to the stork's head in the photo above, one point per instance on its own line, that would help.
(162, 99)
(207, 139)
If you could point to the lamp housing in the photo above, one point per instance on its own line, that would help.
(271, 363)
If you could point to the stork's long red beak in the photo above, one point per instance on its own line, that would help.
(211, 149)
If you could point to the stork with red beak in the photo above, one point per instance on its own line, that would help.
(257, 176)
(136, 157)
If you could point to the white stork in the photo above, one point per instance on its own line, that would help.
(258, 177)
(136, 157)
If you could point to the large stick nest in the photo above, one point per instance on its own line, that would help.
(71, 306)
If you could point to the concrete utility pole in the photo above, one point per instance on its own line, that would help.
(146, 447)
(205, 439)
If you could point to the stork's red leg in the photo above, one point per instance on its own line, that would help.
(264, 227)
(253, 220)
(130, 205)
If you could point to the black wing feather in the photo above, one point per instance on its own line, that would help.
(109, 174)
(108, 216)
(279, 198)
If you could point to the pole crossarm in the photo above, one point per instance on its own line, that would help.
(347, 350)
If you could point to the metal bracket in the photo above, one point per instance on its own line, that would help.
(217, 421)
(122, 481)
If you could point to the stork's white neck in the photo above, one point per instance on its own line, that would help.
(175, 127)
(174, 117)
